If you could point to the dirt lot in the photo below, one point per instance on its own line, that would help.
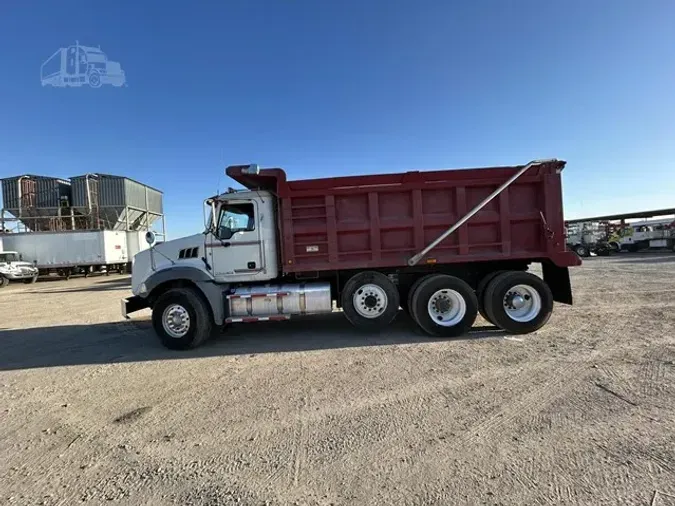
(94, 410)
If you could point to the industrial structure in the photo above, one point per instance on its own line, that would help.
(87, 202)
(88, 223)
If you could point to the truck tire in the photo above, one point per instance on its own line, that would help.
(582, 251)
(3, 281)
(480, 294)
(370, 300)
(94, 79)
(444, 306)
(518, 302)
(411, 292)
(181, 319)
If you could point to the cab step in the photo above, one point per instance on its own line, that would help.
(253, 319)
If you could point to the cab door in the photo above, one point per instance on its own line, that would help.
(235, 248)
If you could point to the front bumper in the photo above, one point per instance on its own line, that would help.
(133, 304)
(13, 276)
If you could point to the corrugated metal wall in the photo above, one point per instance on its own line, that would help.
(36, 191)
(81, 194)
(155, 201)
(111, 191)
(98, 201)
(135, 194)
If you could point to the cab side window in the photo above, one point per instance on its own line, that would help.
(236, 218)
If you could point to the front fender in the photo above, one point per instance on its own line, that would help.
(185, 272)
(212, 291)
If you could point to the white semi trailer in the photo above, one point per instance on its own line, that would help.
(76, 251)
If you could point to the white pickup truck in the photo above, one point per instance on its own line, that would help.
(13, 268)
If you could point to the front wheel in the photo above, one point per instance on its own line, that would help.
(3, 281)
(518, 302)
(94, 79)
(444, 306)
(181, 319)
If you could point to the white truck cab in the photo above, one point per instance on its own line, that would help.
(236, 252)
(242, 247)
(13, 268)
(238, 245)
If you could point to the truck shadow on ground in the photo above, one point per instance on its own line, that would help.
(99, 286)
(133, 341)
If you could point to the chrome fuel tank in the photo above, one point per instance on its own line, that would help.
(286, 299)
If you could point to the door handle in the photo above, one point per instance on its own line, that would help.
(227, 244)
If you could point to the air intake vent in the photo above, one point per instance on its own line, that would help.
(188, 253)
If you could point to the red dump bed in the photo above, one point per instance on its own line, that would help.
(384, 220)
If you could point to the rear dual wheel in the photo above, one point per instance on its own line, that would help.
(443, 306)
(480, 293)
(370, 300)
(517, 302)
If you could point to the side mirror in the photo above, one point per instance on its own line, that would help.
(150, 237)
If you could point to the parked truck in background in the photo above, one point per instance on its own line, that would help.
(14, 268)
(644, 235)
(444, 245)
(587, 238)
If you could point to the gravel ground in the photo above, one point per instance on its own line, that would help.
(94, 410)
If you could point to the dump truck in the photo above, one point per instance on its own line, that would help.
(442, 245)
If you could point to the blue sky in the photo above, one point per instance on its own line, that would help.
(331, 88)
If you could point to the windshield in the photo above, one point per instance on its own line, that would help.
(9, 257)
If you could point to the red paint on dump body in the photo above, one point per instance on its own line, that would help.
(383, 220)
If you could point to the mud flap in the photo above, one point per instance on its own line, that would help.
(558, 280)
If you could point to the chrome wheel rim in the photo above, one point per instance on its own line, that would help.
(522, 303)
(176, 321)
(370, 301)
(446, 307)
